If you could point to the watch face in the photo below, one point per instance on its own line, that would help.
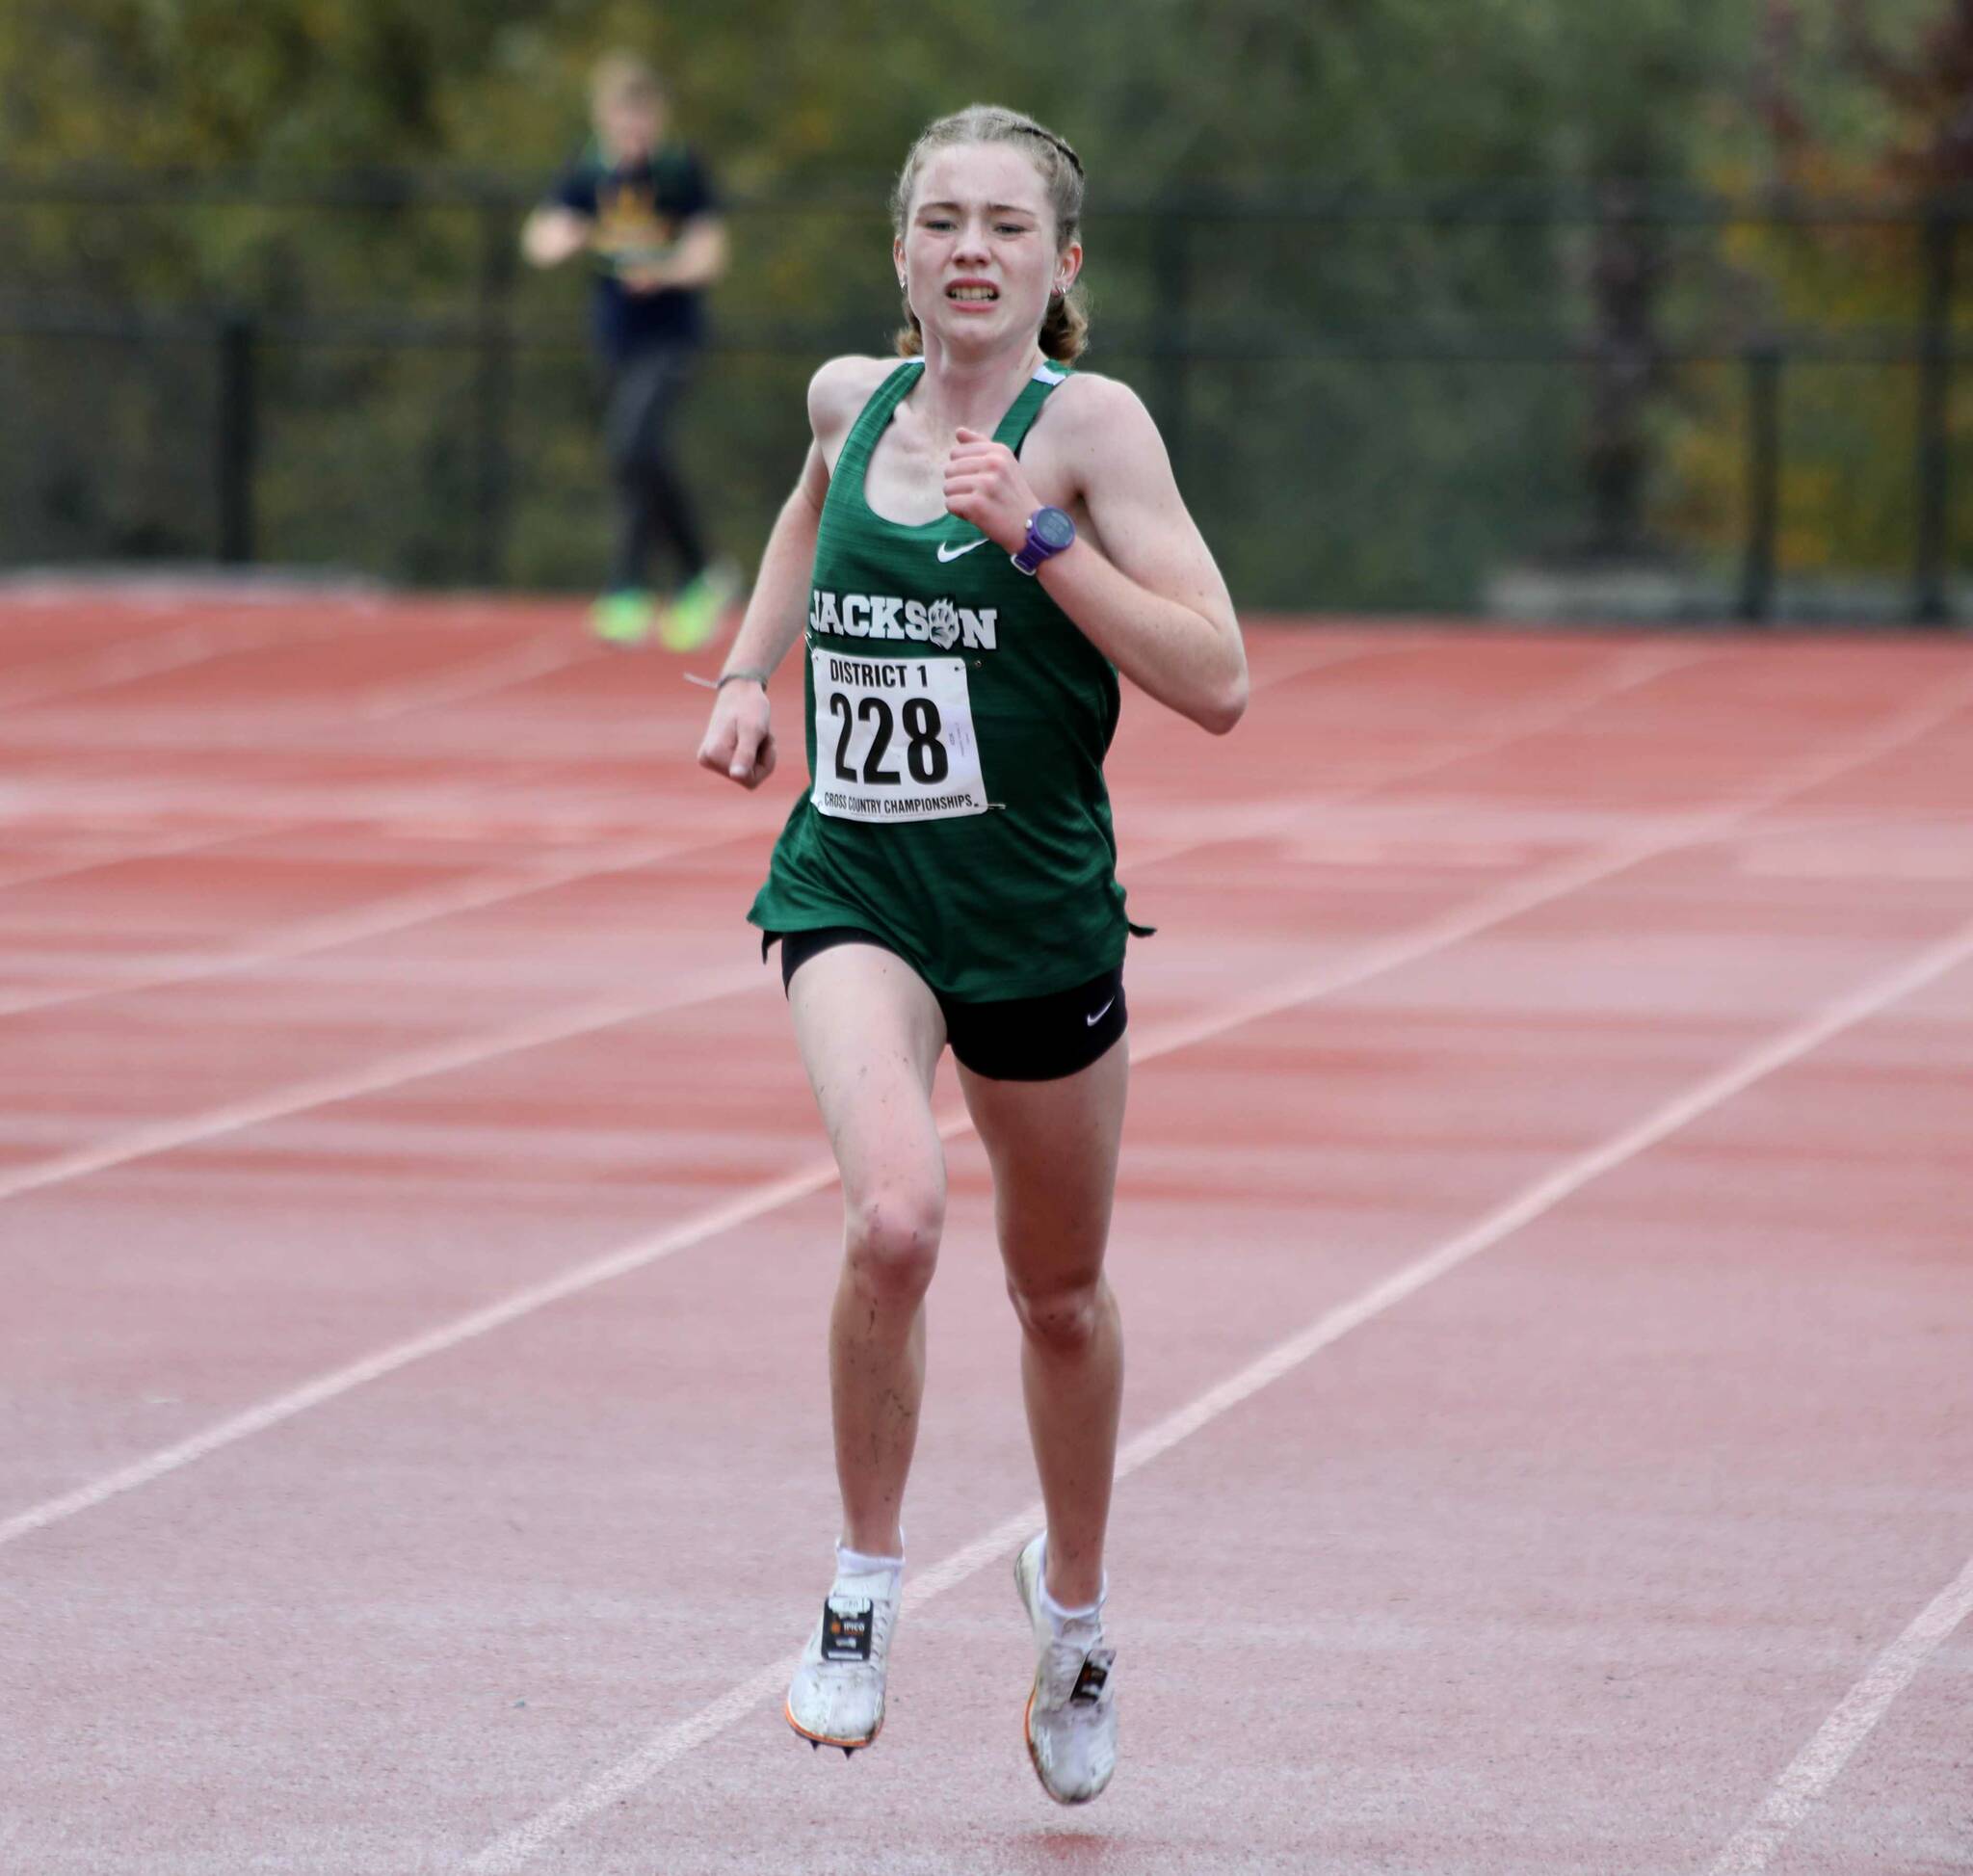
(1053, 529)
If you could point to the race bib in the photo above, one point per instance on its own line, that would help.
(894, 739)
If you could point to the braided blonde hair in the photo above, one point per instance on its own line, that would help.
(1065, 327)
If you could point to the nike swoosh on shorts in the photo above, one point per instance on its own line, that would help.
(1090, 1022)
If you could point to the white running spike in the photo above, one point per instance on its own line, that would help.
(836, 1698)
(1071, 1717)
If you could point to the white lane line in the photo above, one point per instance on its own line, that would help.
(146, 655)
(187, 843)
(1476, 915)
(1491, 910)
(379, 918)
(199, 640)
(406, 910)
(403, 912)
(1328, 659)
(520, 1845)
(374, 1077)
(1816, 1766)
(1634, 669)
(410, 806)
(1556, 881)
(500, 670)
(480, 891)
(1329, 656)
(735, 1212)
(152, 654)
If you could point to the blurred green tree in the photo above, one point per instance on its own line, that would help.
(1849, 104)
(1423, 474)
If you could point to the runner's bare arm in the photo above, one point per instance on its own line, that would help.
(1145, 590)
(737, 741)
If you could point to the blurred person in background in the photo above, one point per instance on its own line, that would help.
(641, 204)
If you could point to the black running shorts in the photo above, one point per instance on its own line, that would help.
(1023, 1039)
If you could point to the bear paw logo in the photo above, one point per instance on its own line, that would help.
(942, 623)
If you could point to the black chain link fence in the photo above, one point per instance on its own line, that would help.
(1503, 400)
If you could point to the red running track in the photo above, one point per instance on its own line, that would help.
(1543, 1240)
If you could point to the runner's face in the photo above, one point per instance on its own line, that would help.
(979, 252)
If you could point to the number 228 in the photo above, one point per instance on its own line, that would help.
(924, 754)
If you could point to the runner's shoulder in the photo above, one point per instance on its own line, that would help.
(840, 390)
(1091, 422)
(1087, 401)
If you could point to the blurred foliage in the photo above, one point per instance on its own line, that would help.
(1851, 104)
(1364, 90)
(1325, 473)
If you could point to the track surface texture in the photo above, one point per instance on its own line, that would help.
(1542, 1238)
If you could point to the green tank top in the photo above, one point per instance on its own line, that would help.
(956, 725)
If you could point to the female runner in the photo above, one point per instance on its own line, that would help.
(980, 541)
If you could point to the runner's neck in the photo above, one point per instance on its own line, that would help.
(950, 396)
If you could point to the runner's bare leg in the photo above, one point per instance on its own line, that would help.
(870, 1033)
(1054, 1146)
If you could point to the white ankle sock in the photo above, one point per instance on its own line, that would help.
(1057, 1614)
(861, 1562)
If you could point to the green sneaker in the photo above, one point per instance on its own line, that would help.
(625, 618)
(694, 615)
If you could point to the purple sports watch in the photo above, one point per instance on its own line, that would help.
(1049, 531)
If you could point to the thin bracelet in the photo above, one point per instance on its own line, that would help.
(727, 677)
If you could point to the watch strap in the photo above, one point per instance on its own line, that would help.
(1033, 550)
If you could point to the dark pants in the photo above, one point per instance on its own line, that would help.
(651, 504)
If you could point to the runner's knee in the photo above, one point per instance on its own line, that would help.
(1061, 1316)
(891, 1237)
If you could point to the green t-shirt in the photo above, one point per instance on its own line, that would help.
(956, 726)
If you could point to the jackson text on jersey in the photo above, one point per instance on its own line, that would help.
(884, 616)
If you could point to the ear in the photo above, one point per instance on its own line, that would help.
(897, 260)
(1068, 263)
